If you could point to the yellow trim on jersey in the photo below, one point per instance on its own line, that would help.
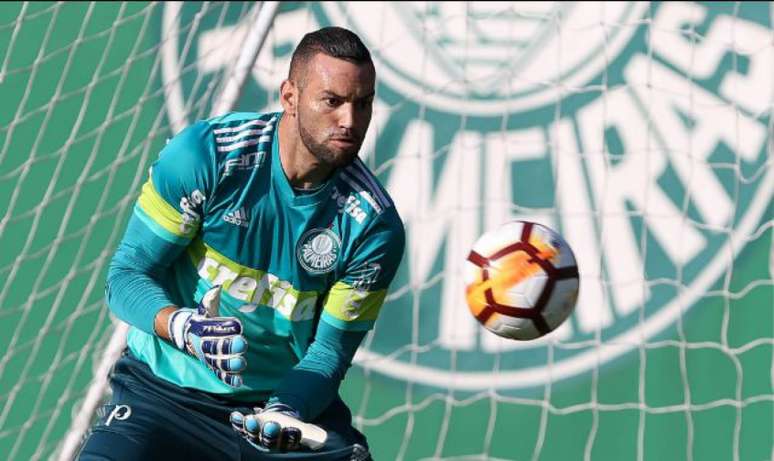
(251, 286)
(161, 212)
(349, 304)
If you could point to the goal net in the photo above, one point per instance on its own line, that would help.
(640, 132)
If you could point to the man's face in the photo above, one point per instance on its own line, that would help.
(334, 108)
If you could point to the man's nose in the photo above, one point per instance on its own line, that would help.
(347, 116)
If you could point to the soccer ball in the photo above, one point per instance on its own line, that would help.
(521, 280)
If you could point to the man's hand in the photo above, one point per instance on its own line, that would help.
(277, 427)
(216, 341)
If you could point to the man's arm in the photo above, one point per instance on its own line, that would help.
(136, 294)
(135, 286)
(313, 384)
(279, 425)
(165, 219)
(349, 312)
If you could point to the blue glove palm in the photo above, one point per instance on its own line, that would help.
(216, 341)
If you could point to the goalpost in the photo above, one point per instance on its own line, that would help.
(641, 132)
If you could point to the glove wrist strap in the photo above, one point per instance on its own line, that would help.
(282, 408)
(176, 325)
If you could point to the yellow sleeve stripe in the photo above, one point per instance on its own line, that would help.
(347, 326)
(158, 230)
(161, 212)
(349, 304)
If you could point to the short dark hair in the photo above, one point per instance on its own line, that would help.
(336, 42)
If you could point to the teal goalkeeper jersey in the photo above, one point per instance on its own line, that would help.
(219, 199)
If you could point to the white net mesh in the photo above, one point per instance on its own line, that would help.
(640, 132)
(78, 88)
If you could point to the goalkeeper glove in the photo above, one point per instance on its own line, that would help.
(278, 427)
(215, 341)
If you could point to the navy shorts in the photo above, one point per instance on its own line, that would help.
(151, 419)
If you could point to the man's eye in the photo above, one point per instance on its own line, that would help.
(333, 102)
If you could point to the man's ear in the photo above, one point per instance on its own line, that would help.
(289, 97)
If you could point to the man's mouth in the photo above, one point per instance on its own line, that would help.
(344, 142)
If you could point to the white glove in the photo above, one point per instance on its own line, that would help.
(278, 427)
(216, 341)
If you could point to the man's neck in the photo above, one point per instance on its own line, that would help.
(302, 169)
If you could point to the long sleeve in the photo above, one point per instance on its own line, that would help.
(164, 220)
(349, 311)
(312, 384)
(134, 287)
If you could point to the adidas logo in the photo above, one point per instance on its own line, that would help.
(237, 217)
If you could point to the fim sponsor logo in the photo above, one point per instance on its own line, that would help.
(191, 207)
(237, 217)
(244, 162)
(318, 250)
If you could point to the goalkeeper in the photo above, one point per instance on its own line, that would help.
(257, 257)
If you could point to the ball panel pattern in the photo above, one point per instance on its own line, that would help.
(512, 276)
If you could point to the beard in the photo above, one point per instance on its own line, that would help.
(324, 153)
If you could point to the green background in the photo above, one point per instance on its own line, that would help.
(83, 116)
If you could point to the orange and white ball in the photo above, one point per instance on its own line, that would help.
(521, 280)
